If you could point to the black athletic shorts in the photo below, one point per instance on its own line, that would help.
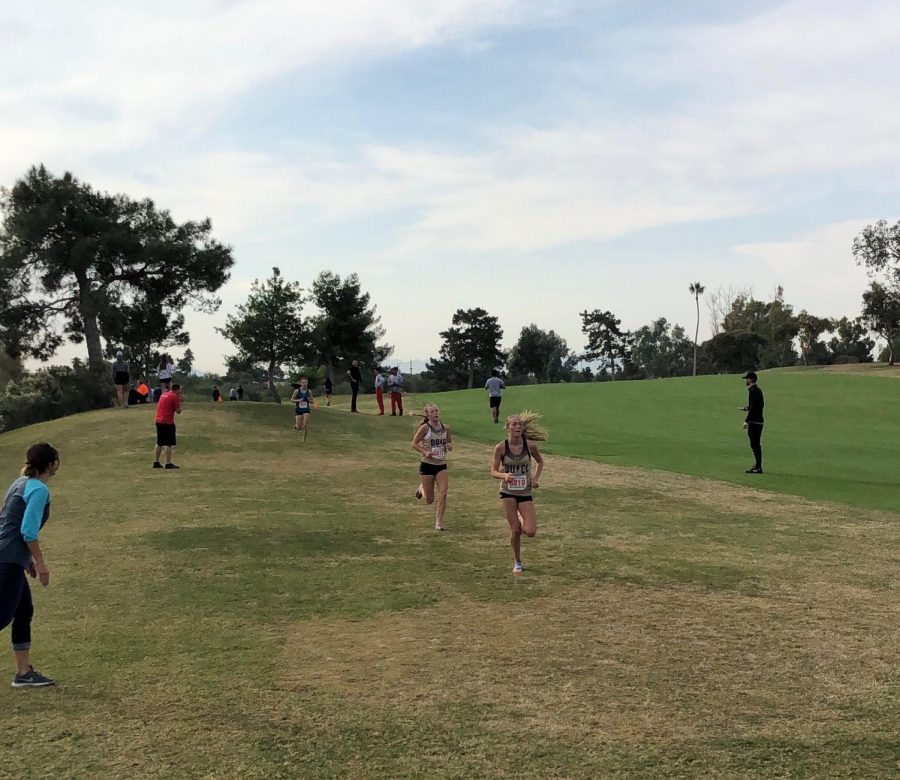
(165, 435)
(519, 499)
(495, 401)
(122, 378)
(430, 469)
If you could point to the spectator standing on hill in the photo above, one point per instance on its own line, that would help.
(753, 422)
(379, 390)
(353, 373)
(329, 390)
(232, 394)
(26, 508)
(169, 405)
(240, 392)
(512, 466)
(495, 386)
(216, 394)
(120, 379)
(165, 372)
(395, 383)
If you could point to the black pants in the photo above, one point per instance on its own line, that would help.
(754, 433)
(354, 391)
(15, 604)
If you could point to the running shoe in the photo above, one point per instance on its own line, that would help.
(31, 679)
(157, 464)
(172, 466)
(418, 493)
(518, 568)
(439, 527)
(754, 470)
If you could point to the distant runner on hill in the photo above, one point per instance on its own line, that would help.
(302, 399)
(512, 466)
(495, 386)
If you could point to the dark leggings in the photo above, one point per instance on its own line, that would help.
(754, 432)
(354, 391)
(15, 604)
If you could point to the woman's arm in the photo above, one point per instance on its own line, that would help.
(35, 502)
(417, 443)
(37, 561)
(497, 471)
(539, 459)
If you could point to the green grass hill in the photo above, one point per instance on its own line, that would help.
(284, 610)
(830, 434)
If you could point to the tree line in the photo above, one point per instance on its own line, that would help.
(86, 266)
(748, 333)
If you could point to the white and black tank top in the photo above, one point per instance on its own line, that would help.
(520, 467)
(437, 442)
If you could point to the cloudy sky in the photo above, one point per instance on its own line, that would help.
(530, 157)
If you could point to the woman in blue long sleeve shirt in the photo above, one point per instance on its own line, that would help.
(26, 507)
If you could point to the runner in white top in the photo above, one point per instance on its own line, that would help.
(433, 441)
(512, 465)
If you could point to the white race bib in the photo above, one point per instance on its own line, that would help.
(438, 453)
(517, 482)
(303, 403)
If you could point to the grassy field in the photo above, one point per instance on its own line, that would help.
(276, 609)
(830, 434)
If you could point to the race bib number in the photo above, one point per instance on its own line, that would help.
(517, 482)
(303, 404)
(438, 453)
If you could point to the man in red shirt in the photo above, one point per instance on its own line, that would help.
(169, 405)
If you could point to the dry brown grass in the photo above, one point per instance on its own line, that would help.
(186, 654)
(618, 663)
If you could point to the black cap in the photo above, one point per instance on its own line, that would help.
(750, 375)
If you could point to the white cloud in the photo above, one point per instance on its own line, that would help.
(718, 120)
(816, 269)
(81, 78)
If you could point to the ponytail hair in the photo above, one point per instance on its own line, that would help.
(39, 458)
(424, 414)
(531, 429)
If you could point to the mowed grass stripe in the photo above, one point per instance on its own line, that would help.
(831, 434)
(284, 610)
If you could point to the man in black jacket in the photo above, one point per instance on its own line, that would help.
(355, 377)
(754, 420)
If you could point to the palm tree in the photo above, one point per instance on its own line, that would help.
(696, 290)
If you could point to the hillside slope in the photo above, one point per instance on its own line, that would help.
(831, 434)
(276, 609)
